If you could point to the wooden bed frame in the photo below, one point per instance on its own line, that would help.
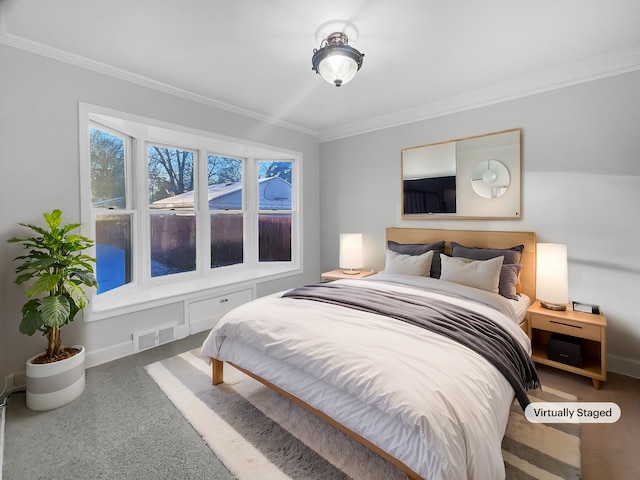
(469, 238)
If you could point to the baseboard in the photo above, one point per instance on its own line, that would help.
(17, 381)
(108, 354)
(623, 365)
(123, 349)
(2, 421)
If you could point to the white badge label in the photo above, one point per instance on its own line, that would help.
(572, 412)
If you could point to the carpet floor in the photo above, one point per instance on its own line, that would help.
(257, 433)
(121, 428)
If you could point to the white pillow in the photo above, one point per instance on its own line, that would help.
(483, 274)
(408, 264)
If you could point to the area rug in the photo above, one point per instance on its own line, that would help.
(259, 434)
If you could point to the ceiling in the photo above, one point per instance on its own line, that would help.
(423, 58)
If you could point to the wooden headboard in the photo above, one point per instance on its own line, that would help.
(478, 238)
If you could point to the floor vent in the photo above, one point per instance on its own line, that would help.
(146, 339)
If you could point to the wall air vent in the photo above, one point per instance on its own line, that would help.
(146, 339)
(166, 334)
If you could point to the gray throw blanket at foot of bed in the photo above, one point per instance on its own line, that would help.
(471, 329)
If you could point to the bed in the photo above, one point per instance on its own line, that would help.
(432, 394)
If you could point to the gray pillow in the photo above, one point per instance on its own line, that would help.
(511, 255)
(510, 267)
(509, 280)
(419, 249)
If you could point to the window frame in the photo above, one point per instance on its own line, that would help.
(292, 211)
(129, 148)
(145, 291)
(147, 211)
(206, 237)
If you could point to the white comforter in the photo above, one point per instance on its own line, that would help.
(435, 405)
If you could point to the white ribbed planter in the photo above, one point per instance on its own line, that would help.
(51, 385)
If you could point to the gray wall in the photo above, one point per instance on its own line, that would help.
(40, 171)
(581, 186)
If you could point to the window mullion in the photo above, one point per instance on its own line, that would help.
(296, 206)
(143, 243)
(203, 224)
(251, 211)
(131, 189)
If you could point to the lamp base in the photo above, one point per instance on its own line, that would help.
(351, 271)
(559, 307)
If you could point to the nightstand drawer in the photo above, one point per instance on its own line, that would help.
(543, 322)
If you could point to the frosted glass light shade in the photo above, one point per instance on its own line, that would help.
(552, 276)
(351, 251)
(338, 69)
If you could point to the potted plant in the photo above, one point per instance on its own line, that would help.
(55, 270)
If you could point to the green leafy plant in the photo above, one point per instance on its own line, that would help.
(55, 269)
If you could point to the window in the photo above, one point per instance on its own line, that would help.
(109, 199)
(173, 210)
(172, 219)
(226, 209)
(274, 210)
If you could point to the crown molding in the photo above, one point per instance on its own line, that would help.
(573, 74)
(88, 64)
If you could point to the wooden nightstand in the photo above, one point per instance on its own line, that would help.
(338, 274)
(592, 329)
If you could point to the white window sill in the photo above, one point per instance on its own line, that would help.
(141, 298)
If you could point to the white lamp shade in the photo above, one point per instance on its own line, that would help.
(552, 275)
(351, 250)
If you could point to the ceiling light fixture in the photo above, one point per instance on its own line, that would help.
(335, 60)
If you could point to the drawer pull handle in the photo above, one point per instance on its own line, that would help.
(565, 324)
